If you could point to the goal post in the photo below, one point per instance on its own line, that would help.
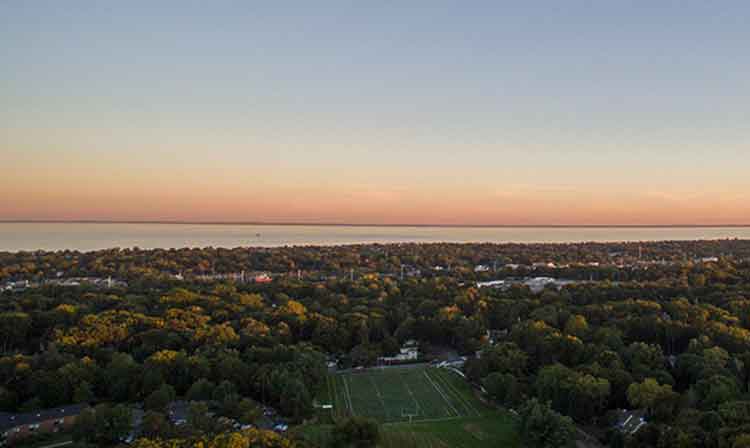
(409, 413)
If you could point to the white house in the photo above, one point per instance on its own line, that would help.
(408, 352)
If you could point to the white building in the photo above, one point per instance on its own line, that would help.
(408, 352)
(491, 284)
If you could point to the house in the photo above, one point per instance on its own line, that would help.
(482, 268)
(18, 426)
(492, 284)
(408, 352)
(493, 336)
(17, 286)
(630, 421)
(543, 264)
(537, 284)
(332, 363)
(178, 412)
(262, 278)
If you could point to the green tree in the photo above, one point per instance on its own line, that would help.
(658, 399)
(83, 393)
(542, 427)
(357, 432)
(201, 390)
(160, 398)
(155, 425)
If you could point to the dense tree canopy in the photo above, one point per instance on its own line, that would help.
(650, 326)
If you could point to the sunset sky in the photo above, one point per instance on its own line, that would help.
(630, 112)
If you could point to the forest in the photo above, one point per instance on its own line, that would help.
(661, 329)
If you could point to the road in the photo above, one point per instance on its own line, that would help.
(56, 445)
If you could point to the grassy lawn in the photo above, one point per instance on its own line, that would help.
(495, 429)
(402, 394)
(492, 430)
(444, 410)
(44, 440)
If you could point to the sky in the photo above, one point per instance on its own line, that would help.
(433, 112)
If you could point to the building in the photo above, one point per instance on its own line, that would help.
(262, 278)
(543, 264)
(408, 352)
(17, 286)
(18, 426)
(537, 284)
(492, 284)
(630, 421)
(494, 336)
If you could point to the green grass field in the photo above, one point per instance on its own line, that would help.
(445, 411)
(492, 430)
(402, 394)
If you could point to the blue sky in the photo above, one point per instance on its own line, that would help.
(337, 104)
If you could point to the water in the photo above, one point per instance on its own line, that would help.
(56, 236)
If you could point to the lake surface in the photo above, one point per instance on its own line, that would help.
(56, 236)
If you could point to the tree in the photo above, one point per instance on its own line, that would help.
(580, 395)
(160, 398)
(358, 432)
(201, 390)
(658, 399)
(741, 441)
(716, 389)
(83, 393)
(503, 387)
(155, 425)
(104, 425)
(84, 428)
(113, 423)
(541, 427)
(198, 417)
(295, 399)
(248, 411)
(223, 390)
(577, 326)
(14, 326)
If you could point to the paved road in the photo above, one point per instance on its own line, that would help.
(56, 445)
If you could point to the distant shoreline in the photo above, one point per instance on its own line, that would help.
(304, 224)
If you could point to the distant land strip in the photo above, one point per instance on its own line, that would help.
(339, 224)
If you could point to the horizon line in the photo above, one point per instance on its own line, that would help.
(339, 224)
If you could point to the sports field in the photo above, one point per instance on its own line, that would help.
(402, 394)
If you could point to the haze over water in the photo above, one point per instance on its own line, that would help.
(93, 236)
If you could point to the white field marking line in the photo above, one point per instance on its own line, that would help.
(332, 394)
(450, 392)
(429, 420)
(348, 395)
(380, 397)
(458, 393)
(413, 398)
(441, 392)
(340, 390)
